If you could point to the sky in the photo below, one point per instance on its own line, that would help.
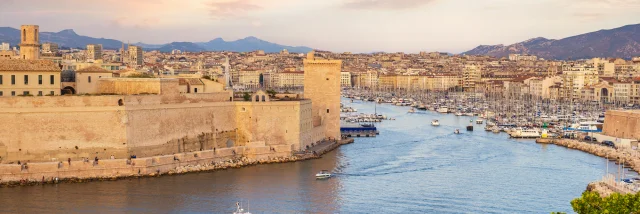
(335, 25)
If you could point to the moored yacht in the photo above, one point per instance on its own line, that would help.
(435, 123)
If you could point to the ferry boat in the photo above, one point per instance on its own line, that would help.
(525, 133)
(435, 123)
(443, 110)
(585, 127)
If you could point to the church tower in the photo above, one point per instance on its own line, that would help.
(322, 86)
(30, 42)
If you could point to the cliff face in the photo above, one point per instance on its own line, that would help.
(623, 42)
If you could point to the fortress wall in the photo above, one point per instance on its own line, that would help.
(172, 128)
(622, 124)
(57, 101)
(274, 123)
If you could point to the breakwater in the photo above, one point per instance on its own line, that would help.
(629, 157)
(114, 169)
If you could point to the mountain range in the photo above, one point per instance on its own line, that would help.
(622, 42)
(70, 39)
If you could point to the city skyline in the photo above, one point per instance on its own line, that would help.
(354, 25)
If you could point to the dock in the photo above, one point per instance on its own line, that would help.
(359, 131)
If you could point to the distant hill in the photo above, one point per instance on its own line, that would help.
(250, 44)
(69, 38)
(184, 46)
(623, 42)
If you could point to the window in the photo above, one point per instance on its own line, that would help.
(36, 34)
(195, 90)
(24, 35)
(26, 79)
(0, 79)
(51, 79)
(13, 93)
(89, 77)
(39, 93)
(13, 79)
(39, 79)
(327, 111)
(52, 93)
(25, 93)
(1, 94)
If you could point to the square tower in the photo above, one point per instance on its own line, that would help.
(29, 42)
(322, 86)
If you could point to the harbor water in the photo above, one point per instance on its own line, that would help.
(411, 167)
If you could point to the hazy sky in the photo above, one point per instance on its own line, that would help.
(334, 25)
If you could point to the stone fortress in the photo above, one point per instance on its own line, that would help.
(150, 117)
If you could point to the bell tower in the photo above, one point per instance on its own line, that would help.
(30, 42)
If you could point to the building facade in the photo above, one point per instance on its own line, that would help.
(30, 42)
(19, 77)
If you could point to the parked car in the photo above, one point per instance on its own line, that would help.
(587, 138)
(608, 143)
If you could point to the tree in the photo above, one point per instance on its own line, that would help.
(246, 96)
(591, 202)
(271, 92)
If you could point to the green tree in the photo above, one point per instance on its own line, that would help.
(271, 92)
(591, 202)
(246, 96)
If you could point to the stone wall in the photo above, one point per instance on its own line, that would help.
(622, 124)
(130, 86)
(56, 128)
(107, 168)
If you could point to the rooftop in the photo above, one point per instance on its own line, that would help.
(28, 65)
(93, 69)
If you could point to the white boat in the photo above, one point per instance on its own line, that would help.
(443, 110)
(525, 133)
(458, 113)
(495, 129)
(457, 131)
(479, 121)
(412, 110)
(435, 123)
(323, 174)
(240, 210)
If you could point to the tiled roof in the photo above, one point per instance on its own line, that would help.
(28, 65)
(93, 69)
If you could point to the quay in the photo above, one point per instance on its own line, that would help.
(348, 132)
(114, 169)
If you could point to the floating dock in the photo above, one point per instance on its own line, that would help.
(359, 131)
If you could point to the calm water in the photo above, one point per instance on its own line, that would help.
(411, 167)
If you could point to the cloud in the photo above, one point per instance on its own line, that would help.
(233, 8)
(385, 4)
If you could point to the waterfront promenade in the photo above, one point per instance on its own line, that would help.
(111, 169)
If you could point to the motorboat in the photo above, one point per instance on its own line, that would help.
(495, 129)
(525, 133)
(479, 121)
(435, 123)
(585, 127)
(457, 131)
(240, 210)
(443, 110)
(323, 174)
(458, 113)
(412, 110)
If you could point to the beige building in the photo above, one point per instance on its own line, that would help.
(249, 78)
(539, 86)
(575, 77)
(471, 74)
(87, 79)
(29, 77)
(29, 42)
(290, 79)
(136, 55)
(345, 79)
(51, 48)
(94, 52)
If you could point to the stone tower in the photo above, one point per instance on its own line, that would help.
(30, 42)
(322, 86)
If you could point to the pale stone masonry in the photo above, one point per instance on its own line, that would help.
(32, 77)
(322, 85)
